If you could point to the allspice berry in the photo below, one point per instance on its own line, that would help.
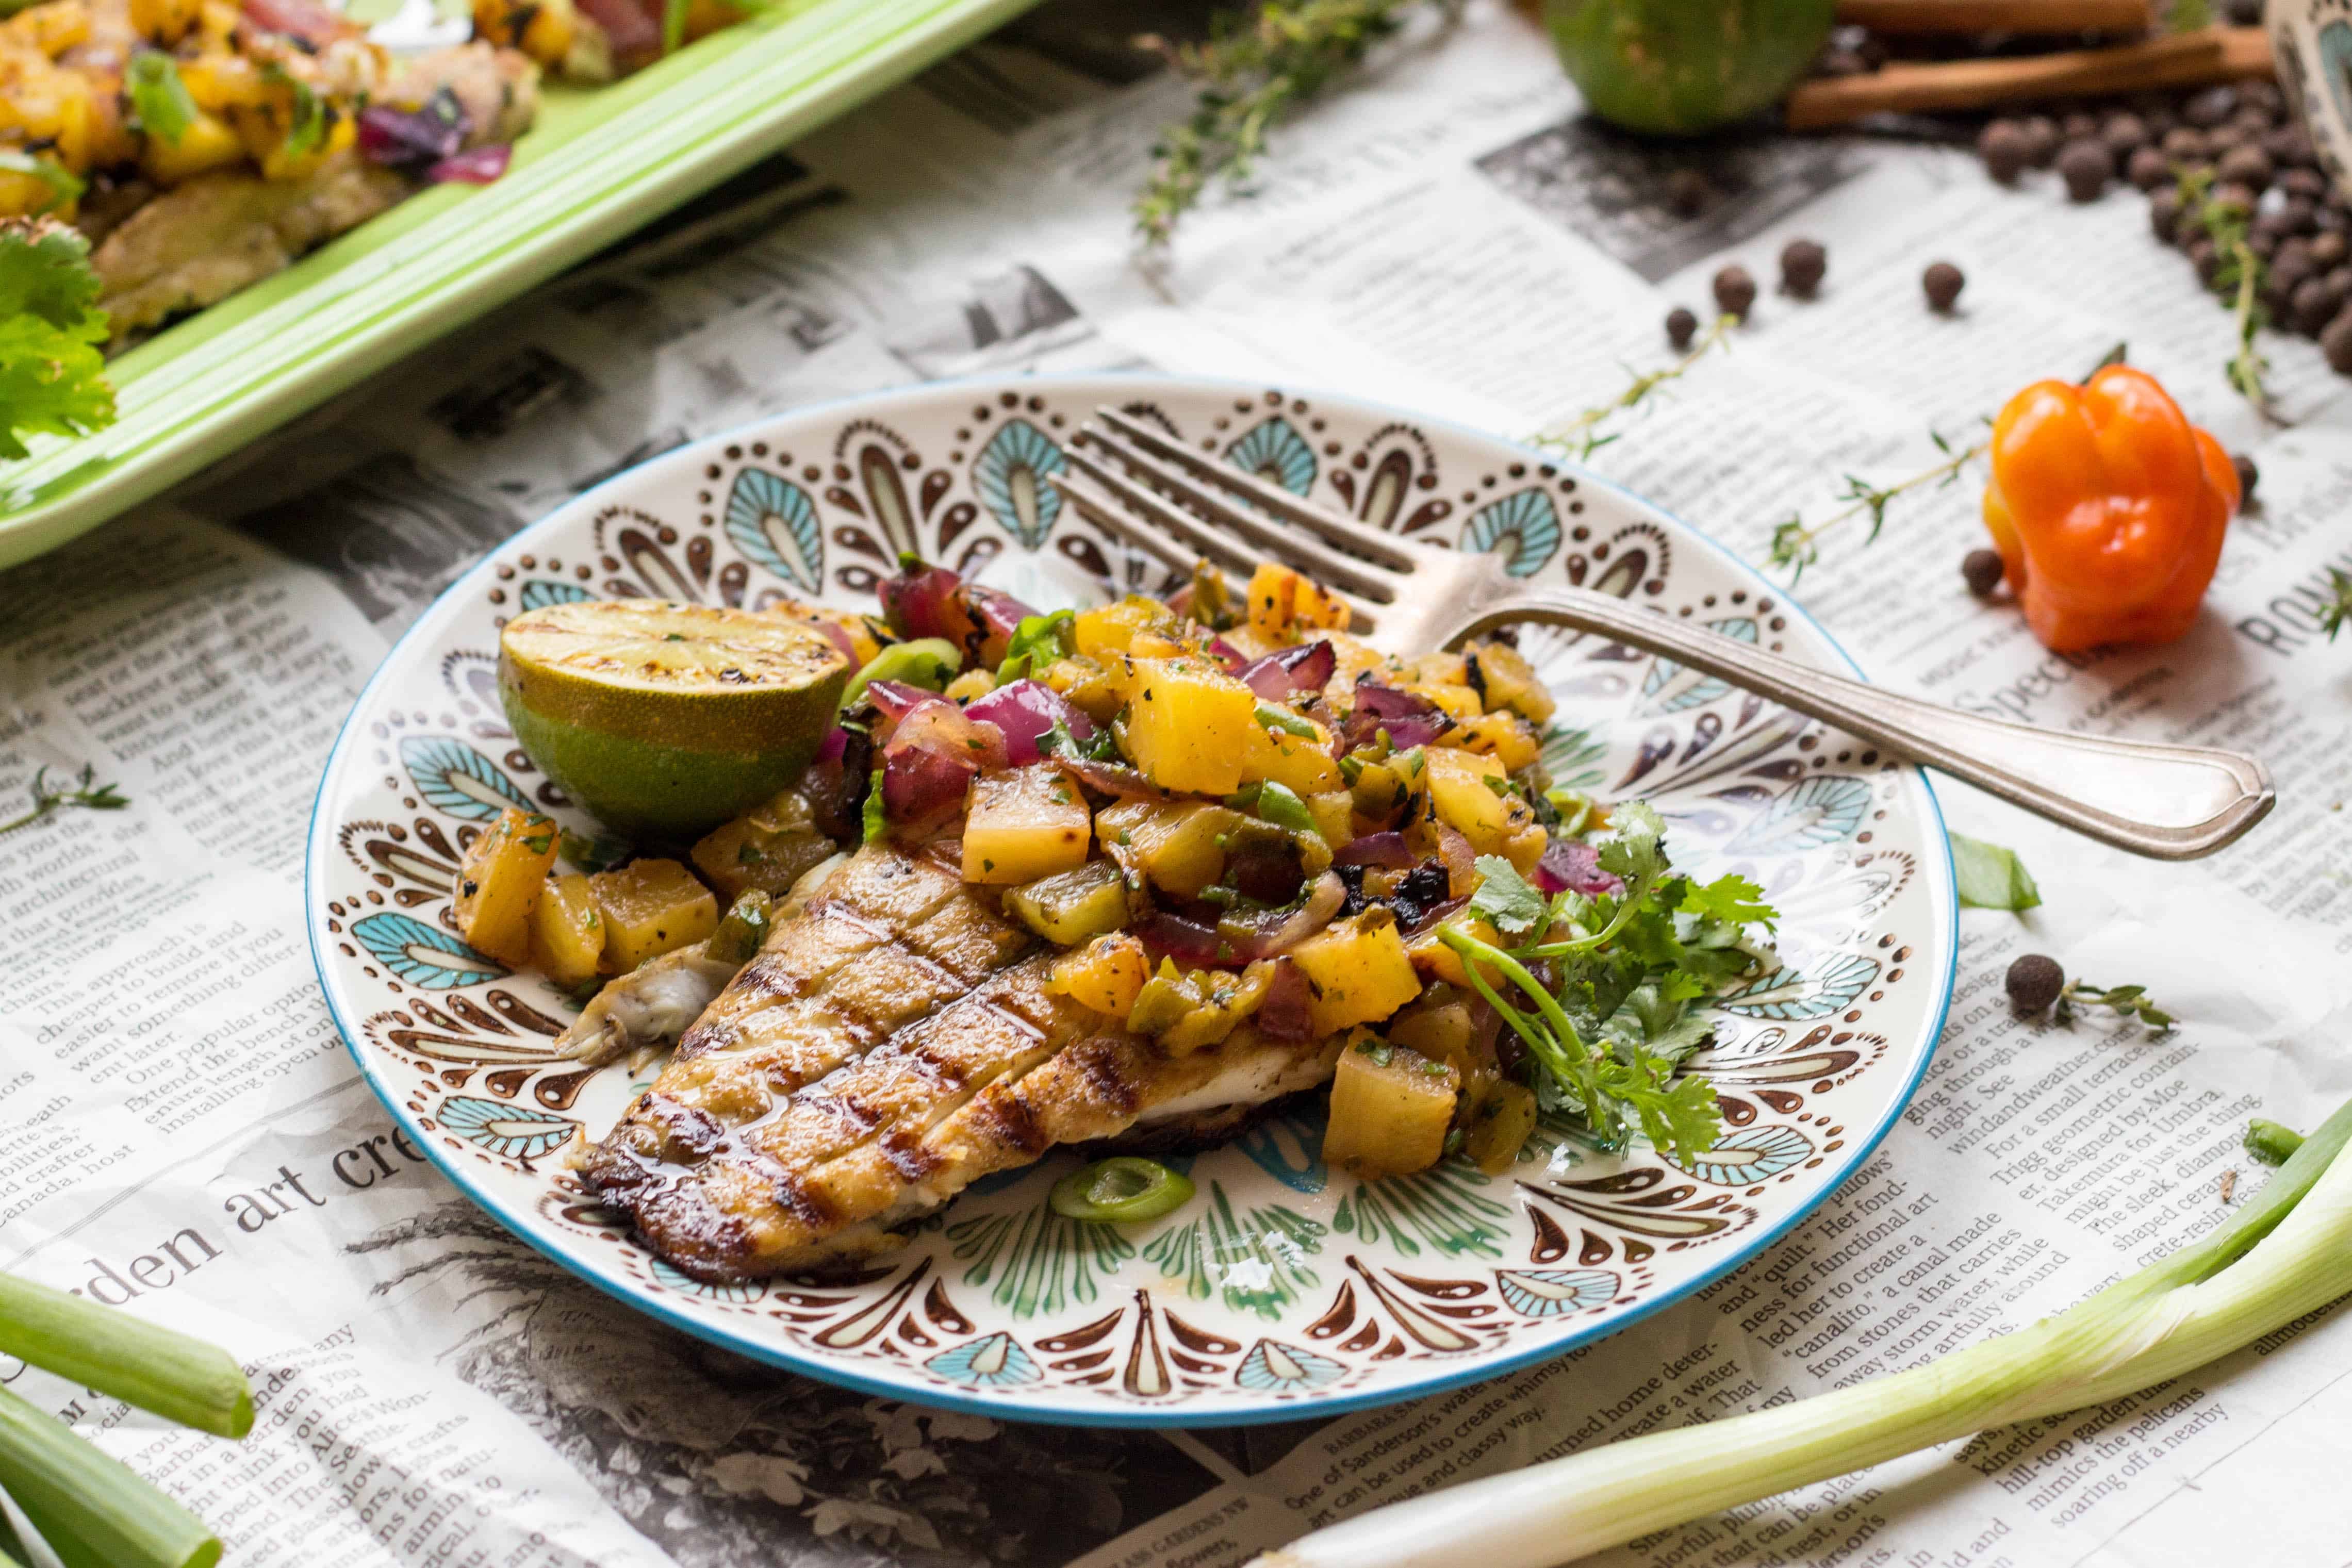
(2148, 169)
(1982, 568)
(2006, 148)
(2124, 133)
(1688, 192)
(1680, 325)
(2164, 215)
(2312, 307)
(2210, 108)
(1735, 291)
(2336, 342)
(2185, 144)
(2041, 140)
(1803, 263)
(1942, 283)
(2086, 165)
(2034, 982)
(2246, 165)
(2248, 475)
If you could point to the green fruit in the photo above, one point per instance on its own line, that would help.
(667, 719)
(1677, 67)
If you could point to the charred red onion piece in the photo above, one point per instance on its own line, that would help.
(1287, 672)
(1027, 711)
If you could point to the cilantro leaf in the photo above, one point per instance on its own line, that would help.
(159, 97)
(1730, 898)
(1504, 898)
(874, 824)
(1990, 877)
(1630, 850)
(1679, 1117)
(52, 377)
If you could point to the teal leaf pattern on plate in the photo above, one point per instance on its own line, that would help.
(539, 592)
(1788, 994)
(1814, 814)
(455, 777)
(1038, 1260)
(1440, 1208)
(1275, 451)
(1289, 1149)
(1272, 1367)
(1010, 476)
(1528, 519)
(1749, 1154)
(773, 522)
(1258, 1261)
(518, 1132)
(741, 1293)
(424, 954)
(1670, 688)
(1573, 756)
(991, 1361)
(1554, 1292)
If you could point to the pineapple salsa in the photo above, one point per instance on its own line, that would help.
(1223, 808)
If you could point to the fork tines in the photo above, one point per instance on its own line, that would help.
(1150, 498)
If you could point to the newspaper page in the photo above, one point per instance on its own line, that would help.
(183, 1136)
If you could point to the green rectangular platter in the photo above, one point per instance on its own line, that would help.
(599, 162)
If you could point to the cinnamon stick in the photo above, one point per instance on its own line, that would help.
(2182, 59)
(1999, 16)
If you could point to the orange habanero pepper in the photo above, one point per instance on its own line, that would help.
(2107, 506)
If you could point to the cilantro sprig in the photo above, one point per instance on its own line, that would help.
(1614, 1014)
(52, 376)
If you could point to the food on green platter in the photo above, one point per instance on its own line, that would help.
(1679, 68)
(1212, 856)
(86, 1507)
(668, 718)
(2286, 1253)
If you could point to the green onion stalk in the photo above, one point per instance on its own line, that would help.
(2208, 1299)
(89, 1509)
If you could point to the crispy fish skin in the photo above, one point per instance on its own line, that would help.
(889, 1047)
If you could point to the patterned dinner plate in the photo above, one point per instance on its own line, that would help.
(1284, 1288)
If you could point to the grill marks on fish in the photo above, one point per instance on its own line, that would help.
(889, 1045)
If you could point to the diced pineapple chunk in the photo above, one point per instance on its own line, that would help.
(1434, 960)
(1509, 682)
(1107, 975)
(1390, 1109)
(499, 883)
(1284, 602)
(1176, 843)
(971, 683)
(1499, 1125)
(1505, 737)
(1300, 763)
(1073, 906)
(768, 847)
(1189, 726)
(1097, 690)
(1495, 822)
(1024, 824)
(1357, 971)
(1104, 633)
(649, 908)
(1457, 703)
(206, 141)
(567, 936)
(1334, 811)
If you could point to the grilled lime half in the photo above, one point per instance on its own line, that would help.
(667, 719)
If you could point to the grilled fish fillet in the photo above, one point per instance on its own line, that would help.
(202, 241)
(889, 1045)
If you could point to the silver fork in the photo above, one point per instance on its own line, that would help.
(2171, 802)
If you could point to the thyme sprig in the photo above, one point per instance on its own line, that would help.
(2129, 1002)
(86, 794)
(2241, 274)
(1580, 438)
(1252, 69)
(2338, 609)
(1796, 544)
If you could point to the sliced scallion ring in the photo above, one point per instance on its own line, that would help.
(1119, 1190)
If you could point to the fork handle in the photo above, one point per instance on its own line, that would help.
(2169, 802)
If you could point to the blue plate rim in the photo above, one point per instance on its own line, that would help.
(1942, 890)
